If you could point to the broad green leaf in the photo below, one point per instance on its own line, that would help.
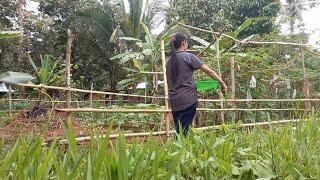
(242, 27)
(137, 64)
(126, 81)
(200, 40)
(9, 34)
(33, 64)
(148, 52)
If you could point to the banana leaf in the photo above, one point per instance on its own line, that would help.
(9, 34)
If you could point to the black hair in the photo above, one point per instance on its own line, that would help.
(176, 43)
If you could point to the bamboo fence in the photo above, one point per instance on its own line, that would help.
(166, 109)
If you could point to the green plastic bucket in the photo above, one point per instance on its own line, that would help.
(207, 85)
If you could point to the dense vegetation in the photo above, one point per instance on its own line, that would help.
(112, 45)
(287, 152)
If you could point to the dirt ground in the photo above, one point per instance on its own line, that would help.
(53, 128)
(22, 126)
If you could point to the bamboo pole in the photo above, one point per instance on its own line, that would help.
(166, 90)
(306, 88)
(148, 72)
(162, 97)
(145, 89)
(168, 110)
(145, 134)
(202, 100)
(10, 101)
(222, 113)
(91, 95)
(257, 100)
(68, 66)
(35, 100)
(233, 87)
(245, 42)
(87, 91)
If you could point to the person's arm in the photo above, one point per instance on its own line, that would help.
(214, 75)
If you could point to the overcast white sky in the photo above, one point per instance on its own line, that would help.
(310, 18)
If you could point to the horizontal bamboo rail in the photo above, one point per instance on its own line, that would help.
(200, 100)
(257, 100)
(58, 101)
(148, 72)
(244, 42)
(145, 134)
(162, 97)
(164, 110)
(14, 111)
(87, 91)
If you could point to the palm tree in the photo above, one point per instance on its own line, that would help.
(129, 22)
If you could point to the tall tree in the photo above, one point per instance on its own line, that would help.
(216, 14)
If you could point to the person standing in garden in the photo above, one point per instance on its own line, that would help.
(182, 90)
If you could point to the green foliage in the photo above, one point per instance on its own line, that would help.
(277, 152)
(216, 14)
(48, 72)
(145, 58)
(9, 34)
(133, 121)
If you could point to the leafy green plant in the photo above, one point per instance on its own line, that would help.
(48, 72)
(274, 152)
(9, 34)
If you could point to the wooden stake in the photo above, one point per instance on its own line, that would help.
(166, 90)
(10, 101)
(219, 72)
(68, 68)
(306, 88)
(145, 90)
(233, 87)
(91, 95)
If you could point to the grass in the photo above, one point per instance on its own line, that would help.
(277, 152)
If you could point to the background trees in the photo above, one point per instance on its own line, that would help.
(99, 28)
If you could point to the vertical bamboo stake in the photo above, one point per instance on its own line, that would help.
(145, 90)
(219, 71)
(10, 101)
(233, 88)
(68, 68)
(306, 88)
(166, 91)
(91, 94)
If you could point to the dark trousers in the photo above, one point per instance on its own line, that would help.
(184, 118)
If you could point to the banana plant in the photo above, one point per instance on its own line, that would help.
(147, 58)
(47, 73)
(225, 43)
